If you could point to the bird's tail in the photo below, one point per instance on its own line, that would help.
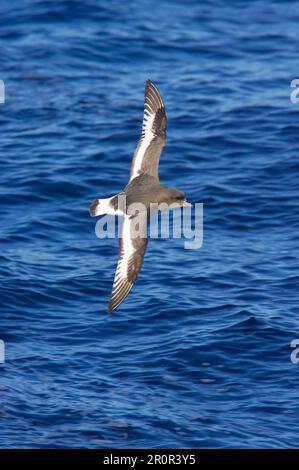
(100, 207)
(108, 205)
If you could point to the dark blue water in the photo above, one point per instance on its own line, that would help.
(199, 353)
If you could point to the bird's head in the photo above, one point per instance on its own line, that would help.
(178, 197)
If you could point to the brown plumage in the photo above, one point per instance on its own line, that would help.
(144, 187)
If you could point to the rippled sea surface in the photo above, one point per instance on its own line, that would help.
(199, 353)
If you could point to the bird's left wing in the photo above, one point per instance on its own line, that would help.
(153, 137)
(131, 252)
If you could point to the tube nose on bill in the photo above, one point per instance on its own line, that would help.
(187, 204)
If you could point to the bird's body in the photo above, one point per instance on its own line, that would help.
(144, 189)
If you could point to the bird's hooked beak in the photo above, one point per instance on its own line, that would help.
(187, 204)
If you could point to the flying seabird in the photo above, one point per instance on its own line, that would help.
(143, 187)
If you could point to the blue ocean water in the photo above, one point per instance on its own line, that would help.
(199, 353)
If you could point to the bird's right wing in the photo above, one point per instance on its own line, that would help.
(131, 252)
(153, 137)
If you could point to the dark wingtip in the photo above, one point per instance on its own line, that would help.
(93, 207)
(110, 307)
(149, 84)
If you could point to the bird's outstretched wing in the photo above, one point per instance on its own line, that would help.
(131, 252)
(153, 136)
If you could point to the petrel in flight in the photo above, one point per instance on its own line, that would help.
(143, 187)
